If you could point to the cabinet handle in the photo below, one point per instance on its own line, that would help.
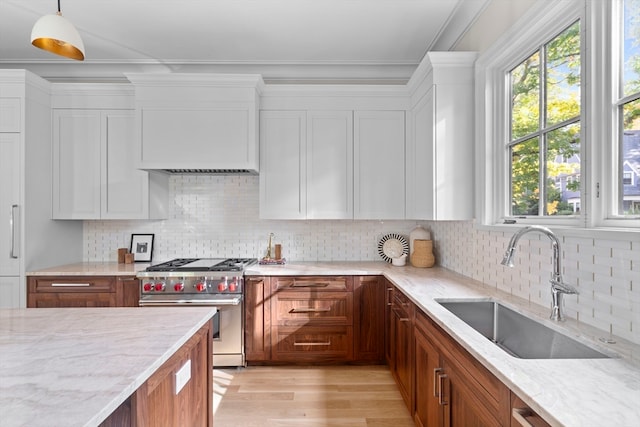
(400, 318)
(310, 285)
(310, 310)
(436, 374)
(441, 400)
(297, 344)
(520, 416)
(13, 225)
(71, 285)
(389, 296)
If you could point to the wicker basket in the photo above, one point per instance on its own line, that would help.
(422, 255)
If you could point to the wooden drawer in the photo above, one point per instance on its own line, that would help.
(312, 283)
(304, 308)
(76, 284)
(312, 343)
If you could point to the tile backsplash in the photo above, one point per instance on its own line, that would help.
(218, 216)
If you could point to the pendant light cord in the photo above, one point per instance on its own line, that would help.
(59, 7)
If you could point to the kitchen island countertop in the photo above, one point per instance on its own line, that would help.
(75, 366)
(566, 392)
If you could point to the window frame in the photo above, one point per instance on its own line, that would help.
(599, 120)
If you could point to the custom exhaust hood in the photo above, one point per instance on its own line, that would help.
(197, 123)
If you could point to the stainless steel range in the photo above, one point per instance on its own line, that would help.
(204, 282)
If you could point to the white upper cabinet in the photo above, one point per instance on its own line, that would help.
(76, 164)
(329, 165)
(306, 163)
(94, 175)
(440, 147)
(283, 168)
(197, 121)
(379, 156)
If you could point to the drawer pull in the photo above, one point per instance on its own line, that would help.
(310, 285)
(310, 310)
(520, 415)
(297, 344)
(71, 285)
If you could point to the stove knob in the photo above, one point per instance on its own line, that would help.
(147, 287)
(178, 287)
(200, 286)
(233, 286)
(159, 286)
(222, 286)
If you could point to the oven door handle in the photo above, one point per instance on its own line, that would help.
(190, 303)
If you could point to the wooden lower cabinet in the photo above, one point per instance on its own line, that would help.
(156, 403)
(452, 388)
(82, 291)
(257, 319)
(368, 305)
(401, 343)
(314, 319)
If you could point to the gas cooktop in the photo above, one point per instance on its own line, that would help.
(203, 265)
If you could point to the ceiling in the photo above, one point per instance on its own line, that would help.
(287, 41)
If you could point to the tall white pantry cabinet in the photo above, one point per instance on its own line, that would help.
(29, 238)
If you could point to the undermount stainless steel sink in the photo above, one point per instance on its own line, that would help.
(517, 334)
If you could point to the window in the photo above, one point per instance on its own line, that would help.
(559, 118)
(544, 118)
(628, 103)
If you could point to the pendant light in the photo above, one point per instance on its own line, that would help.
(57, 35)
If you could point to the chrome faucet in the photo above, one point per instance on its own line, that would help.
(558, 287)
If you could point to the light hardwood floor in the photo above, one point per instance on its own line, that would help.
(309, 396)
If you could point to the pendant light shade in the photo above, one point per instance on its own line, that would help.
(56, 34)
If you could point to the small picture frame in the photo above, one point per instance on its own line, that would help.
(142, 247)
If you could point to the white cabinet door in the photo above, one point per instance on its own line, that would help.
(420, 160)
(329, 165)
(282, 165)
(9, 204)
(440, 155)
(379, 170)
(125, 189)
(76, 164)
(12, 295)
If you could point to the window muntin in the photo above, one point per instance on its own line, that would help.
(544, 140)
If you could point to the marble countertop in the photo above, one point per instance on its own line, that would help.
(91, 269)
(75, 366)
(569, 392)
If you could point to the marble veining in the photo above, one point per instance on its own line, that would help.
(75, 366)
(573, 392)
